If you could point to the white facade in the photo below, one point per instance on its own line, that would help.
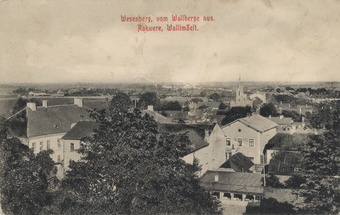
(212, 156)
(246, 140)
(70, 152)
(52, 141)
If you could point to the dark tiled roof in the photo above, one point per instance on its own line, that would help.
(195, 133)
(54, 119)
(284, 163)
(238, 182)
(80, 130)
(239, 163)
(282, 141)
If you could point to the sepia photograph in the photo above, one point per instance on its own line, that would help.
(138, 107)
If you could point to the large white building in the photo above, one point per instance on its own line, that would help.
(249, 135)
(46, 125)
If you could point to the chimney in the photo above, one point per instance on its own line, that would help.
(32, 106)
(281, 116)
(78, 101)
(206, 135)
(150, 107)
(216, 178)
(44, 103)
(303, 119)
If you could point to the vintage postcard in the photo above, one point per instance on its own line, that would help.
(169, 107)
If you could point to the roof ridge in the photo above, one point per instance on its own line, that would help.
(62, 105)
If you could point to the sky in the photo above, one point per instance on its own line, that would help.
(64, 41)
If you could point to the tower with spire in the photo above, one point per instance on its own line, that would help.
(241, 99)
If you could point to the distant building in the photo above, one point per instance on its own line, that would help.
(37, 94)
(285, 124)
(241, 99)
(159, 118)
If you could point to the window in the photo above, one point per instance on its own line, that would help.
(251, 142)
(41, 145)
(58, 158)
(58, 142)
(72, 147)
(33, 147)
(228, 141)
(216, 195)
(48, 144)
(239, 140)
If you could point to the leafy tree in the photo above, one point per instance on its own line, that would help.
(268, 109)
(215, 96)
(235, 113)
(222, 106)
(271, 206)
(203, 107)
(326, 116)
(293, 114)
(186, 108)
(196, 100)
(295, 181)
(172, 106)
(321, 169)
(129, 167)
(273, 181)
(120, 101)
(24, 185)
(149, 98)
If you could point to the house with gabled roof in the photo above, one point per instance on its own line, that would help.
(206, 146)
(46, 125)
(249, 135)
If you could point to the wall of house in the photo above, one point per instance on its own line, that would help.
(212, 156)
(62, 149)
(238, 130)
(266, 136)
(71, 154)
(216, 146)
(55, 143)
